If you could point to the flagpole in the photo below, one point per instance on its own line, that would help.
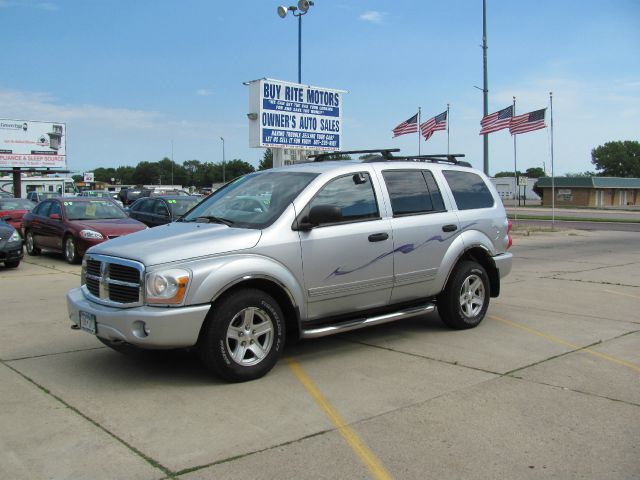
(448, 129)
(553, 183)
(419, 109)
(516, 187)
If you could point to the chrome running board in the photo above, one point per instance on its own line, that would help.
(366, 322)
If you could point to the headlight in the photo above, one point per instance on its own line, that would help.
(92, 234)
(167, 286)
(15, 237)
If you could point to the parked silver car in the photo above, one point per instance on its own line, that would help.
(306, 250)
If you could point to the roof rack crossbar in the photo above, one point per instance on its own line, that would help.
(385, 152)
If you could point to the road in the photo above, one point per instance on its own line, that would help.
(545, 387)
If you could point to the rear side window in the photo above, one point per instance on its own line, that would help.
(469, 190)
(413, 192)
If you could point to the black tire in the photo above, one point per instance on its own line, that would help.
(71, 250)
(12, 263)
(30, 244)
(243, 336)
(464, 301)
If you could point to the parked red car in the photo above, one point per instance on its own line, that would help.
(13, 209)
(73, 224)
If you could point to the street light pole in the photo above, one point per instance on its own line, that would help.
(224, 176)
(302, 8)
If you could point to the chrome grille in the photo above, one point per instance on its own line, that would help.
(113, 281)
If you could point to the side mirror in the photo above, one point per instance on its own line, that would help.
(320, 215)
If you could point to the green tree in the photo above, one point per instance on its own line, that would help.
(617, 159)
(77, 178)
(267, 160)
(534, 172)
(506, 174)
(124, 175)
(147, 173)
(191, 167)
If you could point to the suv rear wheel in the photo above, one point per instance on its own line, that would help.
(464, 302)
(243, 336)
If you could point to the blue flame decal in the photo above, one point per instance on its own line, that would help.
(404, 249)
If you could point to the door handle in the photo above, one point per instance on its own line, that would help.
(449, 228)
(378, 237)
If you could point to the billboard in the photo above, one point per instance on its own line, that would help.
(292, 115)
(30, 144)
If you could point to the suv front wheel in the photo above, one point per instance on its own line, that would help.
(464, 302)
(243, 336)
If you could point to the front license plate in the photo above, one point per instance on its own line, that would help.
(88, 322)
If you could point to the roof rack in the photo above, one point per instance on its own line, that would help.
(443, 157)
(386, 155)
(385, 152)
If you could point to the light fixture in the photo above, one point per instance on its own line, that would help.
(252, 116)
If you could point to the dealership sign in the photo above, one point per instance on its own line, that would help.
(292, 115)
(24, 143)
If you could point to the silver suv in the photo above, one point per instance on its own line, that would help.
(302, 251)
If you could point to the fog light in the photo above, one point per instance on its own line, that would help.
(139, 329)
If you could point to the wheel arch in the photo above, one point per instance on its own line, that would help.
(481, 255)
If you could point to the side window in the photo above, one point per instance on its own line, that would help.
(144, 206)
(353, 194)
(55, 208)
(469, 190)
(160, 208)
(412, 192)
(43, 209)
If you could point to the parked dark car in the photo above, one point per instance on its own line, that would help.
(73, 224)
(13, 209)
(153, 211)
(10, 245)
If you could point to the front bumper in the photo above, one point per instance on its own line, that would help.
(11, 251)
(145, 327)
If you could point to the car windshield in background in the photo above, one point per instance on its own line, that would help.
(92, 210)
(179, 206)
(253, 201)
(15, 204)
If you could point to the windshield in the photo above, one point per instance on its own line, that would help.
(92, 210)
(16, 204)
(253, 201)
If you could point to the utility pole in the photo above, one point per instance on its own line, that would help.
(485, 87)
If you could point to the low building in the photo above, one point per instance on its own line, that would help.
(597, 192)
(510, 189)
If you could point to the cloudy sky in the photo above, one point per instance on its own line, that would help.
(131, 78)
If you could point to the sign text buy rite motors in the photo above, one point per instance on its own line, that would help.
(291, 115)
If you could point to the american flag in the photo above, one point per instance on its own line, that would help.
(527, 122)
(496, 120)
(439, 122)
(408, 126)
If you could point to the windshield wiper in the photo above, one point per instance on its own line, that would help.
(212, 219)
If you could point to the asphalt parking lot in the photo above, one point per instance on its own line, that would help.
(548, 386)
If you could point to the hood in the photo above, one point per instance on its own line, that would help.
(178, 242)
(110, 226)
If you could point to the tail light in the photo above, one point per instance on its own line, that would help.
(509, 227)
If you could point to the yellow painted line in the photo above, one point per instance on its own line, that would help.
(559, 341)
(358, 446)
(623, 294)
